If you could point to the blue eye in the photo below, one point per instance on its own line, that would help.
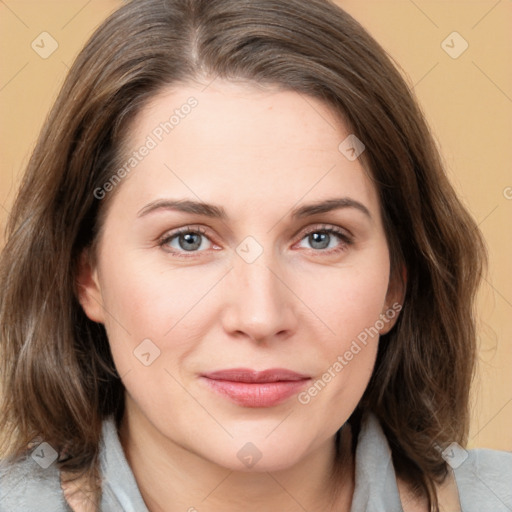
(194, 240)
(320, 239)
(187, 240)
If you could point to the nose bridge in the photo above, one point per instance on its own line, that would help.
(260, 304)
(258, 281)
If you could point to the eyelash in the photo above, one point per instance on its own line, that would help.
(345, 239)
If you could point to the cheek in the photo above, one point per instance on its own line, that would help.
(146, 300)
(347, 301)
(175, 308)
(354, 317)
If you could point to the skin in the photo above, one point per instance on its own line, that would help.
(259, 154)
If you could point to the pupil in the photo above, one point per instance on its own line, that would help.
(189, 239)
(320, 238)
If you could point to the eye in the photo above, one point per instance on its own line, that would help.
(329, 239)
(324, 239)
(183, 240)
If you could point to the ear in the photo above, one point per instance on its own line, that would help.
(88, 288)
(394, 300)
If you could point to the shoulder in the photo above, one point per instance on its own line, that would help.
(484, 478)
(478, 479)
(27, 485)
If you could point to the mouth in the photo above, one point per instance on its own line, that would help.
(252, 388)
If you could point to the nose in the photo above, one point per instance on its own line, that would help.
(260, 304)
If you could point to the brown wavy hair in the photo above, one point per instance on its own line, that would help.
(58, 379)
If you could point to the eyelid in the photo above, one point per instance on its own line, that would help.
(344, 234)
(169, 235)
(326, 227)
(345, 237)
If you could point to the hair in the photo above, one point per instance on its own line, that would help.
(58, 380)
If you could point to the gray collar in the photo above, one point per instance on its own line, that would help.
(376, 489)
(375, 480)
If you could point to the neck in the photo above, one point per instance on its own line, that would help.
(171, 478)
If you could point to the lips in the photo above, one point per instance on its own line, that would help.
(251, 388)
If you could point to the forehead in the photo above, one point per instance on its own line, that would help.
(246, 147)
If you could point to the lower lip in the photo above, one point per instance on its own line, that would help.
(257, 394)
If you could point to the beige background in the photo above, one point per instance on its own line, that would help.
(467, 101)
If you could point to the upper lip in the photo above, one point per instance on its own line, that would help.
(255, 376)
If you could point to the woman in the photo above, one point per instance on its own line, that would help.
(237, 276)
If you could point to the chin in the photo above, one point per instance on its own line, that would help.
(260, 455)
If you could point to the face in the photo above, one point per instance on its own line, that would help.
(251, 317)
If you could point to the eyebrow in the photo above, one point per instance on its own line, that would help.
(218, 212)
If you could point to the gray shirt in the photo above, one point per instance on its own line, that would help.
(483, 477)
